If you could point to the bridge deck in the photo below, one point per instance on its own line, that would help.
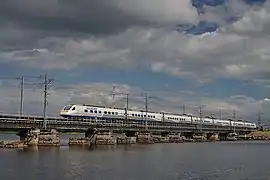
(25, 122)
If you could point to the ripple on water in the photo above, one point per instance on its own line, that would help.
(186, 161)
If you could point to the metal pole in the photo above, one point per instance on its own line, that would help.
(220, 113)
(146, 104)
(163, 117)
(260, 120)
(113, 96)
(146, 110)
(127, 97)
(201, 106)
(22, 88)
(184, 109)
(45, 100)
(200, 118)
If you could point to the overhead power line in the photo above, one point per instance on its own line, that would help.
(47, 83)
(22, 83)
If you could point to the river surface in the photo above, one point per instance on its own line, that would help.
(187, 161)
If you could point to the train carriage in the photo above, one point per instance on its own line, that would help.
(92, 111)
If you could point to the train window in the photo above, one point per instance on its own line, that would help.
(116, 113)
(139, 115)
(105, 112)
(109, 112)
(99, 112)
(67, 107)
(144, 115)
(91, 111)
(112, 112)
(85, 110)
(73, 109)
(95, 111)
(148, 115)
(154, 116)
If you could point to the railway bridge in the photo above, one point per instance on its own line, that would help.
(24, 123)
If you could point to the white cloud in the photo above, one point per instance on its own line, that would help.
(204, 57)
(231, 9)
(147, 11)
(238, 50)
(159, 11)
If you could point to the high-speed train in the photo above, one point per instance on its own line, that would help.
(92, 111)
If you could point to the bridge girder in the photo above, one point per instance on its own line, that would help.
(82, 126)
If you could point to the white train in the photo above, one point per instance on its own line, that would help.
(92, 111)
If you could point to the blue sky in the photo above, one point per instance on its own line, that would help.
(192, 50)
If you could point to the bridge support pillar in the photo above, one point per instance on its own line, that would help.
(187, 135)
(130, 133)
(90, 132)
(213, 136)
(223, 136)
(23, 134)
(165, 133)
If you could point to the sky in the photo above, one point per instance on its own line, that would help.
(194, 52)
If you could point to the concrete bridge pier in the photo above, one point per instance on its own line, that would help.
(199, 136)
(37, 137)
(188, 135)
(212, 136)
(130, 133)
(165, 133)
(90, 132)
(23, 134)
(223, 136)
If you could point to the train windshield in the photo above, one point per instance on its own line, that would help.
(66, 108)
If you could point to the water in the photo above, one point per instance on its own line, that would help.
(187, 161)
